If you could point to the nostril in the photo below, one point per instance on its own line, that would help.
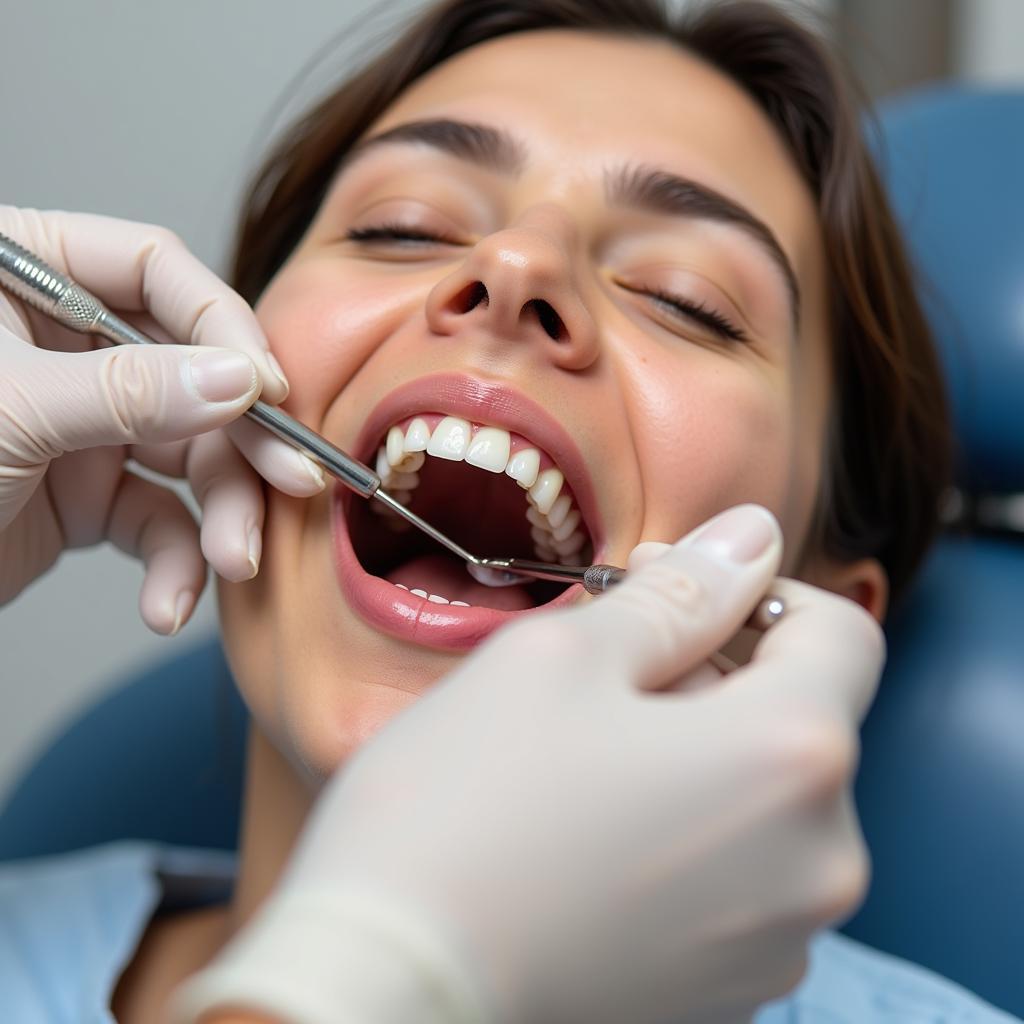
(549, 319)
(470, 297)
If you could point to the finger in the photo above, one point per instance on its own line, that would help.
(708, 673)
(148, 325)
(134, 266)
(63, 402)
(166, 459)
(665, 619)
(151, 523)
(281, 465)
(229, 492)
(825, 650)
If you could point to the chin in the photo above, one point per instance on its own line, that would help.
(317, 745)
(317, 680)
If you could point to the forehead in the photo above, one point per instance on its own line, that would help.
(584, 101)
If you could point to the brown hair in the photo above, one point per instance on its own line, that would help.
(888, 456)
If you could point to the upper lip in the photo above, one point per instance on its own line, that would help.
(496, 404)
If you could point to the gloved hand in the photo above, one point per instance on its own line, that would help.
(71, 414)
(566, 830)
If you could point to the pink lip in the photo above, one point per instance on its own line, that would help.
(406, 616)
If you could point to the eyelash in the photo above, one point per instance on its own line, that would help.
(710, 318)
(396, 233)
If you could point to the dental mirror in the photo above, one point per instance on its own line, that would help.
(494, 577)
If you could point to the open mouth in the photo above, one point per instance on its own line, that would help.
(519, 489)
(494, 491)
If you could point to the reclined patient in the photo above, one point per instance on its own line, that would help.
(573, 275)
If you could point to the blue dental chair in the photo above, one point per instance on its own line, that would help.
(941, 785)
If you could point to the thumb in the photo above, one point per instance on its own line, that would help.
(678, 609)
(137, 394)
(644, 553)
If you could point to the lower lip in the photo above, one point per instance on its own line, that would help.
(405, 616)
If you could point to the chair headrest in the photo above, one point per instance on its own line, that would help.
(953, 161)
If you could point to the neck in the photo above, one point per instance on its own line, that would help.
(274, 810)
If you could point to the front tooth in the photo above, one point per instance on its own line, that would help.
(489, 449)
(560, 510)
(417, 437)
(569, 523)
(418, 592)
(449, 439)
(437, 599)
(524, 466)
(382, 466)
(395, 446)
(545, 490)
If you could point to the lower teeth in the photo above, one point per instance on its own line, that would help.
(434, 598)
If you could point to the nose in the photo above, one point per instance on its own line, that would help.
(518, 285)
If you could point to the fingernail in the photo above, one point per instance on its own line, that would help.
(739, 535)
(313, 470)
(275, 368)
(255, 550)
(182, 606)
(221, 376)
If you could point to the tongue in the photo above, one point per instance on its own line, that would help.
(446, 577)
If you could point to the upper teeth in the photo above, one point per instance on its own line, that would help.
(551, 509)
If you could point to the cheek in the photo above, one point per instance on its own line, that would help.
(714, 434)
(323, 324)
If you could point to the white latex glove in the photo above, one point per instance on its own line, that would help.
(542, 838)
(72, 413)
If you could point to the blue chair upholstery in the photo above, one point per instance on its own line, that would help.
(941, 786)
(160, 758)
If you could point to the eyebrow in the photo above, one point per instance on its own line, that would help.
(481, 144)
(637, 186)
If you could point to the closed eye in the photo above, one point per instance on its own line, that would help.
(680, 308)
(398, 233)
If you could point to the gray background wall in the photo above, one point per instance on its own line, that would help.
(157, 112)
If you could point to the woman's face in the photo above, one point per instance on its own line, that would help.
(597, 246)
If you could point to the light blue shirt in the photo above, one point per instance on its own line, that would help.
(70, 924)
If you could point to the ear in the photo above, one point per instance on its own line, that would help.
(864, 582)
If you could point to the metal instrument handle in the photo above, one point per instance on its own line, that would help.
(31, 279)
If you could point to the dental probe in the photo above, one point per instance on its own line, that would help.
(509, 571)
